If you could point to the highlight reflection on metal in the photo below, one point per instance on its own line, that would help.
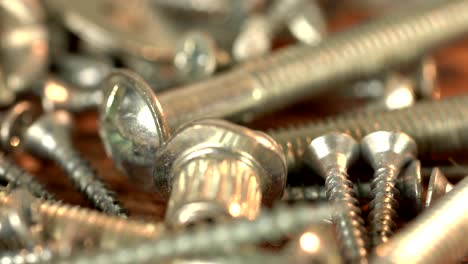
(213, 168)
(24, 46)
(330, 156)
(386, 152)
(438, 235)
(438, 187)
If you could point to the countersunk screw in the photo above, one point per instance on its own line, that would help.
(438, 187)
(18, 177)
(387, 152)
(438, 127)
(49, 137)
(212, 168)
(438, 235)
(269, 226)
(330, 156)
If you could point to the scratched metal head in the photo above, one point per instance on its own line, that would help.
(384, 148)
(331, 150)
(13, 123)
(410, 186)
(197, 138)
(438, 187)
(132, 124)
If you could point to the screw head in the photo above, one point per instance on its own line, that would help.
(14, 122)
(438, 187)
(309, 24)
(384, 148)
(196, 138)
(132, 125)
(84, 71)
(410, 186)
(331, 150)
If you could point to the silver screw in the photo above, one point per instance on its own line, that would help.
(213, 168)
(438, 235)
(387, 153)
(49, 137)
(445, 133)
(330, 156)
(18, 177)
(267, 227)
(438, 187)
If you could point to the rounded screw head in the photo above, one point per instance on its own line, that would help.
(309, 24)
(331, 150)
(196, 55)
(438, 187)
(206, 136)
(132, 124)
(14, 122)
(410, 186)
(382, 148)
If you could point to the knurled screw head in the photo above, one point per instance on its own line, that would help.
(438, 187)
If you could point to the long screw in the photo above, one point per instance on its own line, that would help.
(437, 127)
(330, 155)
(267, 227)
(18, 177)
(387, 153)
(438, 235)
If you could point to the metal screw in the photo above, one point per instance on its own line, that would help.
(330, 156)
(387, 153)
(267, 227)
(49, 137)
(438, 187)
(210, 7)
(18, 177)
(438, 235)
(213, 168)
(437, 127)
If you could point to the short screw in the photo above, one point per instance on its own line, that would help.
(18, 177)
(49, 137)
(213, 169)
(330, 156)
(266, 227)
(445, 133)
(387, 153)
(438, 235)
(438, 187)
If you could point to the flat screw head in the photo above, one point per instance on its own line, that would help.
(132, 125)
(438, 187)
(410, 186)
(383, 148)
(331, 150)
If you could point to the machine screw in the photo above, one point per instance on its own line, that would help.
(438, 187)
(49, 137)
(267, 227)
(387, 153)
(212, 169)
(445, 133)
(447, 225)
(330, 156)
(18, 177)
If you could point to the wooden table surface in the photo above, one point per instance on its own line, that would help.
(452, 61)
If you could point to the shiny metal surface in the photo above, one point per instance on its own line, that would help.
(409, 184)
(438, 187)
(132, 125)
(308, 25)
(386, 152)
(438, 235)
(13, 121)
(214, 168)
(330, 156)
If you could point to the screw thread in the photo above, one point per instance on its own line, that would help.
(384, 204)
(319, 193)
(20, 178)
(87, 181)
(349, 223)
(199, 240)
(37, 255)
(437, 127)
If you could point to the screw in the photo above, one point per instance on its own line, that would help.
(438, 235)
(267, 227)
(49, 137)
(438, 127)
(438, 187)
(209, 7)
(14, 230)
(409, 184)
(330, 156)
(387, 153)
(213, 168)
(18, 177)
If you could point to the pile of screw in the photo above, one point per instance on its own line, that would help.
(177, 84)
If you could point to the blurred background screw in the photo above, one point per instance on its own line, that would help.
(438, 187)
(387, 153)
